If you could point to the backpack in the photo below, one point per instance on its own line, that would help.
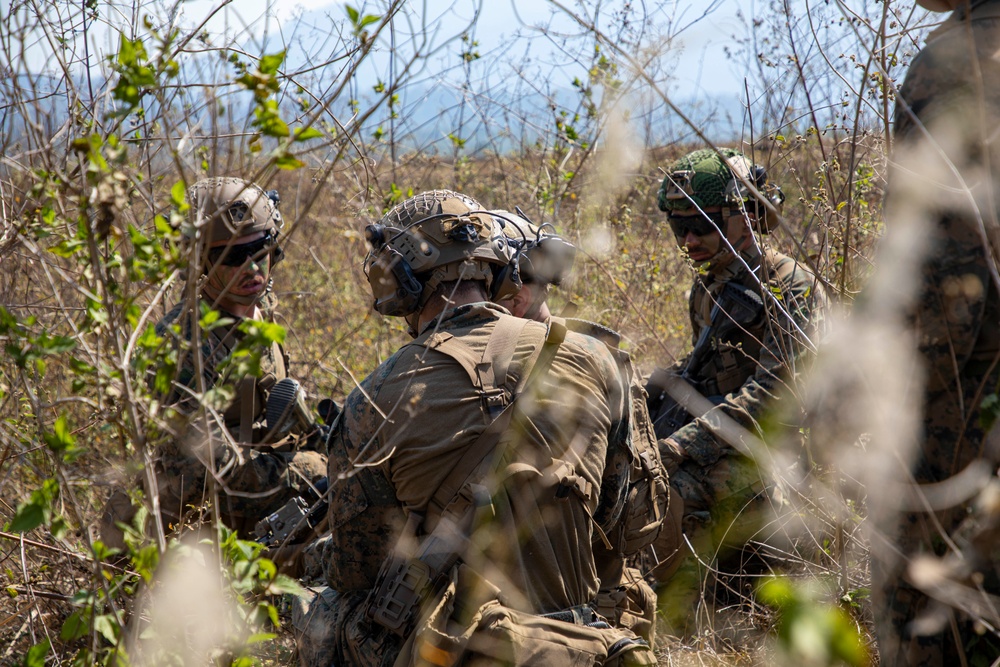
(648, 495)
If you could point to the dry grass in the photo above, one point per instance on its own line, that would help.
(65, 247)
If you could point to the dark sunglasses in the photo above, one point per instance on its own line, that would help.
(237, 255)
(702, 224)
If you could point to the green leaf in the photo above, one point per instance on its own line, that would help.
(270, 332)
(209, 319)
(107, 628)
(28, 517)
(269, 64)
(60, 440)
(259, 637)
(67, 247)
(288, 161)
(306, 133)
(59, 528)
(352, 14)
(283, 584)
(35, 656)
(268, 570)
(178, 196)
(76, 626)
(368, 20)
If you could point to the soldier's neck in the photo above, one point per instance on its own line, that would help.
(439, 304)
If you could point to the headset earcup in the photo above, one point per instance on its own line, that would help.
(506, 281)
(396, 289)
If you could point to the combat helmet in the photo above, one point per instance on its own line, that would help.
(226, 208)
(432, 238)
(543, 257)
(707, 178)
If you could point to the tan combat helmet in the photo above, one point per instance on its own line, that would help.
(228, 208)
(432, 238)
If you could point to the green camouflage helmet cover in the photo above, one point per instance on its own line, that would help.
(431, 238)
(703, 180)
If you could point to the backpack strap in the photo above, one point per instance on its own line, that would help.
(487, 372)
(485, 447)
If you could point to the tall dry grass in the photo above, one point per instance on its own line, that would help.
(105, 108)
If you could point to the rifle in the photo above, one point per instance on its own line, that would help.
(736, 307)
(286, 412)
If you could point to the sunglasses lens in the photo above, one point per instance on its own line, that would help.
(237, 255)
(698, 225)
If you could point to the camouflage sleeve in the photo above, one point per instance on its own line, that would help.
(250, 485)
(365, 515)
(803, 298)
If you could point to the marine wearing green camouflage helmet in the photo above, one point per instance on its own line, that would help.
(752, 311)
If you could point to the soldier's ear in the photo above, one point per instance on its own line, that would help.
(518, 303)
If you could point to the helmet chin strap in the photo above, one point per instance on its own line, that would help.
(412, 321)
(725, 255)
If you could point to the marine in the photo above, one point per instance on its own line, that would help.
(754, 314)
(229, 459)
(545, 260)
(944, 187)
(474, 470)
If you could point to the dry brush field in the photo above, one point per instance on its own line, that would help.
(91, 192)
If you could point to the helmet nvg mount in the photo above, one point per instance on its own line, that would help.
(543, 257)
(702, 179)
(432, 238)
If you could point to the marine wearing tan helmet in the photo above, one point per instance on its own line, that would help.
(543, 258)
(432, 238)
(234, 225)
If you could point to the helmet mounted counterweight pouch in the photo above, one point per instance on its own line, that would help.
(451, 241)
(543, 257)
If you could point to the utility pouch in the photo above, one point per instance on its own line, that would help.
(405, 582)
(402, 586)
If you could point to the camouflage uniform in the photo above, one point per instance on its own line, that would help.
(953, 90)
(743, 364)
(247, 467)
(233, 227)
(722, 490)
(545, 259)
(410, 422)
